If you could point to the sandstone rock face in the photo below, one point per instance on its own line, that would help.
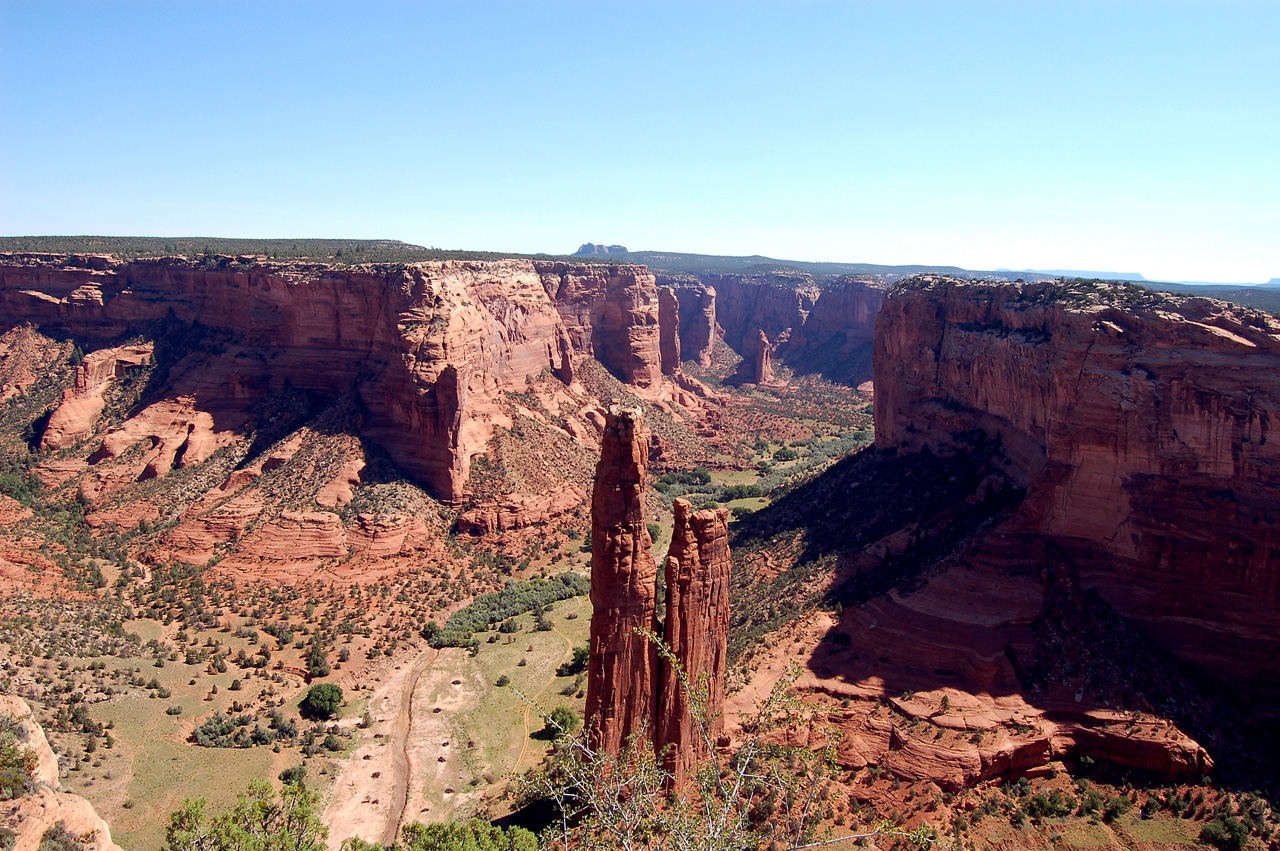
(697, 314)
(428, 347)
(669, 328)
(696, 632)
(77, 414)
(824, 327)
(32, 814)
(763, 359)
(520, 511)
(622, 677)
(610, 313)
(1141, 427)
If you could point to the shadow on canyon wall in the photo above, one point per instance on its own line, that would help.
(936, 584)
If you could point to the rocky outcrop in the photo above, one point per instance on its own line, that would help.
(763, 360)
(622, 675)
(47, 805)
(520, 511)
(696, 632)
(669, 330)
(627, 694)
(610, 313)
(1141, 426)
(77, 414)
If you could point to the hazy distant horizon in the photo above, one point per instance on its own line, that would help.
(1086, 135)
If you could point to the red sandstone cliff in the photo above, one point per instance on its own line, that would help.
(622, 677)
(696, 632)
(1142, 428)
(816, 326)
(669, 328)
(611, 313)
(428, 347)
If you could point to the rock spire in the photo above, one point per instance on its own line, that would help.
(696, 631)
(628, 692)
(621, 694)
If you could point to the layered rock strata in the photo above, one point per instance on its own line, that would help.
(610, 313)
(696, 632)
(428, 348)
(1142, 428)
(622, 677)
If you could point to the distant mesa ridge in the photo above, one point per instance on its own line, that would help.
(589, 248)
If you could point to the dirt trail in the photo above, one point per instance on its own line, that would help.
(367, 798)
(528, 708)
(400, 765)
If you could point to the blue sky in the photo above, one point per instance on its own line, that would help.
(1118, 136)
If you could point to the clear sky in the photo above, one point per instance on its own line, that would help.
(1113, 136)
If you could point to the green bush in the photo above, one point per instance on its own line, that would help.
(322, 700)
(294, 775)
(516, 599)
(576, 665)
(473, 835)
(16, 762)
(1226, 832)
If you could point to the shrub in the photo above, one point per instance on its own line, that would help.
(516, 599)
(473, 835)
(322, 700)
(58, 838)
(503, 681)
(576, 665)
(294, 775)
(16, 762)
(562, 719)
(1226, 832)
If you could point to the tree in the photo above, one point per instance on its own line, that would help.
(322, 700)
(473, 835)
(261, 820)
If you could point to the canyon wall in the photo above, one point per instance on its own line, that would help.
(1140, 426)
(611, 313)
(813, 326)
(428, 347)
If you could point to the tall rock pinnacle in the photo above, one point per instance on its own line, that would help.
(697, 631)
(621, 693)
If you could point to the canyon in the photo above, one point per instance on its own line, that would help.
(1060, 549)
